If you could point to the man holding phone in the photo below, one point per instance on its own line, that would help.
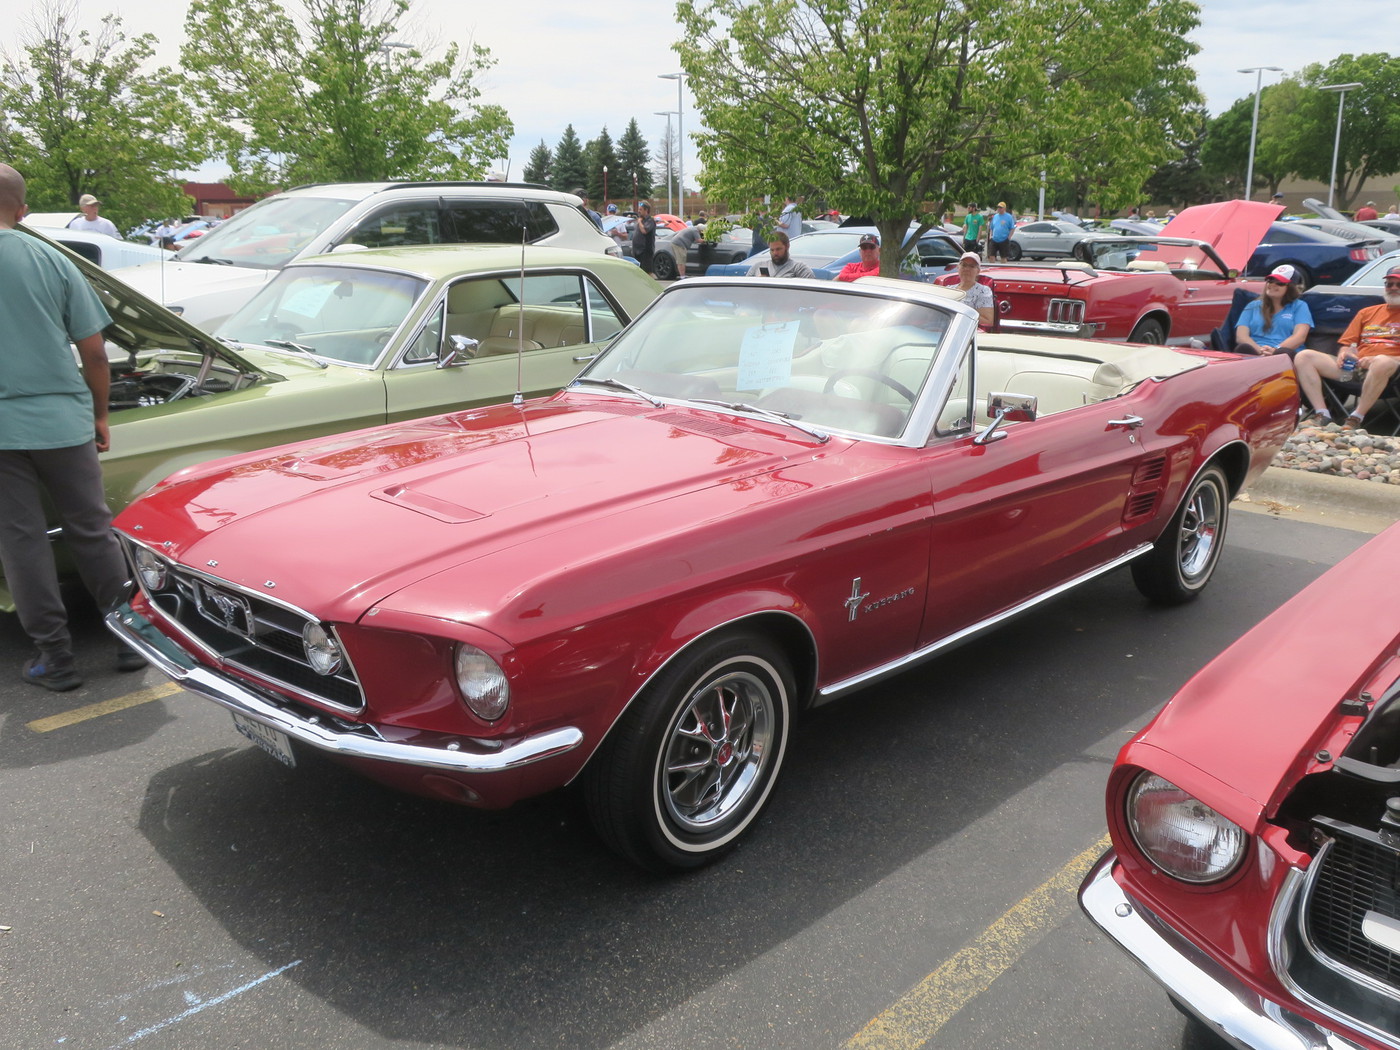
(780, 263)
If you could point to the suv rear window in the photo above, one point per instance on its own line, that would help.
(499, 222)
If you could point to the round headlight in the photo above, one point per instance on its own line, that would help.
(1181, 834)
(482, 682)
(150, 567)
(322, 650)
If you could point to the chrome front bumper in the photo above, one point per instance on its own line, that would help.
(458, 755)
(1229, 1008)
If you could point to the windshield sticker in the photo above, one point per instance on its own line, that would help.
(765, 358)
(308, 299)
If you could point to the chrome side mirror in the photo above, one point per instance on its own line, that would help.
(459, 350)
(1005, 407)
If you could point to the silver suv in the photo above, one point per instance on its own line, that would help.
(217, 273)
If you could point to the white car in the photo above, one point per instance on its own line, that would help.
(217, 273)
(107, 252)
(1049, 239)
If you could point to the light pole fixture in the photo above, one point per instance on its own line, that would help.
(605, 186)
(1254, 127)
(389, 47)
(679, 78)
(668, 114)
(1341, 90)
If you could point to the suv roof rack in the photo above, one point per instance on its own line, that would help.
(420, 185)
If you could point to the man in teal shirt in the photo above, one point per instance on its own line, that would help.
(53, 423)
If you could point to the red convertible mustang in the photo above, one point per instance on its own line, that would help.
(762, 496)
(1168, 289)
(1256, 827)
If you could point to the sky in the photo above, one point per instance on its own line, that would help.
(560, 62)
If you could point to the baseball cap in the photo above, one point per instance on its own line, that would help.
(1393, 272)
(86, 199)
(1001, 204)
(971, 255)
(1283, 274)
(612, 209)
(868, 240)
(1277, 197)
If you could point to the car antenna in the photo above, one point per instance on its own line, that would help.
(519, 398)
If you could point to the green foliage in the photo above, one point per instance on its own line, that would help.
(540, 166)
(81, 116)
(717, 228)
(634, 161)
(333, 98)
(1370, 143)
(599, 154)
(883, 105)
(570, 171)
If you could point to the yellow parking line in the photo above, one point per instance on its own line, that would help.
(915, 1018)
(106, 707)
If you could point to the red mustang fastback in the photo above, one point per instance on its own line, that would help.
(762, 496)
(1169, 289)
(1256, 826)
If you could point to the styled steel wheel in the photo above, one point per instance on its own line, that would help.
(1183, 559)
(692, 762)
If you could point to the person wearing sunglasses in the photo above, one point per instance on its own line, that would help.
(1278, 321)
(1372, 340)
(868, 265)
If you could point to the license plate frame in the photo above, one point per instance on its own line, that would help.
(275, 742)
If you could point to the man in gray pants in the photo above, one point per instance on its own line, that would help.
(53, 423)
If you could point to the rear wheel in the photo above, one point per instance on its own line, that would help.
(691, 764)
(1149, 330)
(1183, 559)
(663, 266)
(1302, 277)
(1013, 251)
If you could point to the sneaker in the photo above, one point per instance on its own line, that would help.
(129, 659)
(1353, 422)
(52, 672)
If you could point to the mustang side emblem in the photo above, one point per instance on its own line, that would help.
(854, 604)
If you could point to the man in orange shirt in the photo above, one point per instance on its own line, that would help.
(1372, 340)
(868, 265)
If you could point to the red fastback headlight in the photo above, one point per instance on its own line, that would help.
(1180, 834)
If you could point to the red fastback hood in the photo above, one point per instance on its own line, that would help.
(1233, 228)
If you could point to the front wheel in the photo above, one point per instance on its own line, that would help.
(691, 764)
(663, 266)
(1184, 557)
(1013, 252)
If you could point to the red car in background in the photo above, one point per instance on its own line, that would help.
(1255, 870)
(1168, 289)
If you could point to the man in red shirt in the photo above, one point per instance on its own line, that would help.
(868, 265)
(1367, 213)
(1372, 340)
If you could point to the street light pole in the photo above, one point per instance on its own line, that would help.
(668, 113)
(679, 78)
(1341, 90)
(1254, 127)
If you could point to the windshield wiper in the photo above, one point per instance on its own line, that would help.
(619, 384)
(287, 344)
(766, 413)
(214, 262)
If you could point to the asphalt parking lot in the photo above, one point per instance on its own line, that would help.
(166, 885)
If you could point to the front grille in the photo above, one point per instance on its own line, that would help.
(252, 633)
(1065, 311)
(1355, 876)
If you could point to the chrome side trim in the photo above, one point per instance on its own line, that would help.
(1083, 331)
(173, 662)
(1228, 1007)
(836, 689)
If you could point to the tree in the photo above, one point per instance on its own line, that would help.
(335, 98)
(600, 154)
(540, 165)
(883, 105)
(666, 169)
(1181, 181)
(82, 116)
(1370, 143)
(570, 172)
(634, 161)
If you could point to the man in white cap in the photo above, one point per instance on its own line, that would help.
(1372, 340)
(91, 221)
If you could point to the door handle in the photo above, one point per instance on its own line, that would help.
(1127, 422)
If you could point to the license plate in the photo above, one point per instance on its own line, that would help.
(272, 741)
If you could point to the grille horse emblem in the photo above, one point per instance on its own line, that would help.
(229, 611)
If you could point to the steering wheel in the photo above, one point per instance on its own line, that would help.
(894, 384)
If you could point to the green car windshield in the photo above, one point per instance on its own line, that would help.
(344, 313)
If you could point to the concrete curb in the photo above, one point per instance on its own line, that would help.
(1326, 498)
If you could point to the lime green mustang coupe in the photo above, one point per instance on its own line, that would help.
(350, 340)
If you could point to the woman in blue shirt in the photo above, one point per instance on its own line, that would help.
(1278, 321)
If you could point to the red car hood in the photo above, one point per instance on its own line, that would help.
(367, 514)
(1233, 228)
(1254, 718)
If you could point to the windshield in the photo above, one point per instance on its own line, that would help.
(340, 312)
(1373, 274)
(832, 359)
(1190, 262)
(268, 235)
